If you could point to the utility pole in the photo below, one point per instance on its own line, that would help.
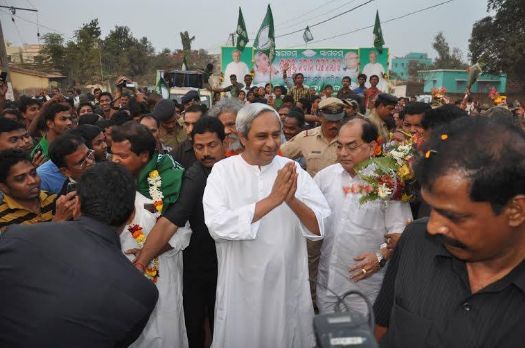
(3, 54)
(3, 51)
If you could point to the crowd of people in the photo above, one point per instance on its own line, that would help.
(131, 220)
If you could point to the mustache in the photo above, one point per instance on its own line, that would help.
(208, 158)
(232, 136)
(451, 242)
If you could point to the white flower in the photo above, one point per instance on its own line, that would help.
(398, 156)
(405, 149)
(369, 171)
(154, 188)
(383, 191)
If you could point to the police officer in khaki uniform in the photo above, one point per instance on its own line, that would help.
(382, 113)
(318, 147)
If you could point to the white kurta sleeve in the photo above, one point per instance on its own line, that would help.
(309, 193)
(180, 240)
(397, 216)
(223, 221)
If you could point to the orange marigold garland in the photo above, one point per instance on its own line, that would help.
(152, 269)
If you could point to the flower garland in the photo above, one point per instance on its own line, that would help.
(152, 269)
(155, 183)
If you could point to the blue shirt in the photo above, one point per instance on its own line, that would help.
(360, 91)
(51, 179)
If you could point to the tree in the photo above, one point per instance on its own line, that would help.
(413, 67)
(446, 59)
(123, 54)
(119, 53)
(498, 41)
(52, 53)
(83, 54)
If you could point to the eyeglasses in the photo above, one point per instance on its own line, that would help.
(350, 147)
(89, 156)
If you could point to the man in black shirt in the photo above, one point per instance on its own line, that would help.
(458, 279)
(200, 258)
(68, 284)
(184, 152)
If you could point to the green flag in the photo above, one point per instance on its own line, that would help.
(265, 39)
(242, 33)
(378, 35)
(162, 87)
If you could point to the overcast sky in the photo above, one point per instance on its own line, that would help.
(211, 21)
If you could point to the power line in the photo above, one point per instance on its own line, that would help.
(318, 15)
(22, 41)
(303, 14)
(383, 22)
(29, 21)
(328, 19)
(13, 8)
(296, 19)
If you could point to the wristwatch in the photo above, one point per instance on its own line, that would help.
(380, 259)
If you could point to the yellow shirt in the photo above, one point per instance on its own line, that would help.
(11, 212)
(317, 151)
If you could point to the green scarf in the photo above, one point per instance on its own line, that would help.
(170, 173)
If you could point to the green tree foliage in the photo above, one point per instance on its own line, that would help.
(53, 52)
(123, 54)
(89, 58)
(82, 54)
(498, 41)
(446, 59)
(413, 67)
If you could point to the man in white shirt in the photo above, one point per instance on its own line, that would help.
(353, 253)
(351, 67)
(237, 68)
(259, 207)
(374, 68)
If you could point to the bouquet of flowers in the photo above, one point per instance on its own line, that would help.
(386, 177)
(439, 96)
(474, 73)
(497, 99)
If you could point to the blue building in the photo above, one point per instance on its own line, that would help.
(455, 81)
(400, 64)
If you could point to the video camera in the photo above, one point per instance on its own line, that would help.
(127, 84)
(345, 329)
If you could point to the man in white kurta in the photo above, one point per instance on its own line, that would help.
(355, 232)
(352, 230)
(236, 67)
(374, 68)
(165, 328)
(263, 295)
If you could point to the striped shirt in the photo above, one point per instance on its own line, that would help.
(11, 212)
(298, 92)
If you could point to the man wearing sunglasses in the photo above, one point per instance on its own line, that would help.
(71, 155)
